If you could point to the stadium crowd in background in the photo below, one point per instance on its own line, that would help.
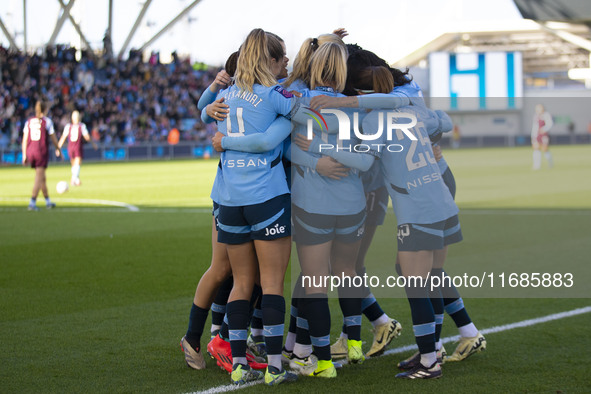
(122, 101)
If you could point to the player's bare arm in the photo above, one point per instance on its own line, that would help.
(88, 139)
(319, 102)
(25, 137)
(63, 137)
(216, 142)
(58, 152)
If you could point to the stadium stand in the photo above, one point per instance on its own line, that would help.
(123, 101)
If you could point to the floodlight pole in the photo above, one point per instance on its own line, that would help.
(25, 25)
(8, 35)
(110, 25)
(169, 25)
(134, 28)
(84, 40)
(60, 23)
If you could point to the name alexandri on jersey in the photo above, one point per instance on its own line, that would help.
(249, 97)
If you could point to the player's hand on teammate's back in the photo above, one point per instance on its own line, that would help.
(216, 142)
(58, 152)
(323, 101)
(330, 168)
(302, 142)
(218, 110)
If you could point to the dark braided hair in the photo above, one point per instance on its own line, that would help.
(230, 66)
(360, 59)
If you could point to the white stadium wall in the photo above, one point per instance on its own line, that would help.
(485, 96)
(476, 81)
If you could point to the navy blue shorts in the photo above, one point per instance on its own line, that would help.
(265, 221)
(434, 236)
(315, 229)
(450, 181)
(215, 212)
(376, 206)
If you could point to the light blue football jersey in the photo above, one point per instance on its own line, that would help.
(411, 174)
(252, 178)
(298, 85)
(413, 91)
(443, 166)
(214, 189)
(318, 194)
(372, 179)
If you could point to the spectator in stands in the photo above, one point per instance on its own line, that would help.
(123, 100)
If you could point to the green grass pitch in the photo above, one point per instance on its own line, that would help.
(94, 298)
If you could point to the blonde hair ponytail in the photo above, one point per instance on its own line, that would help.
(329, 65)
(253, 62)
(301, 64)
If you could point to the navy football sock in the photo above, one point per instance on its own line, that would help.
(197, 319)
(237, 313)
(316, 311)
(273, 307)
(371, 308)
(256, 321)
(423, 318)
(224, 331)
(437, 303)
(350, 303)
(453, 303)
(218, 308)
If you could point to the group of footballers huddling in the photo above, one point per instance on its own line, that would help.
(283, 175)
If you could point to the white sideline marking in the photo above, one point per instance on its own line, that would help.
(61, 209)
(131, 208)
(128, 207)
(506, 327)
(402, 349)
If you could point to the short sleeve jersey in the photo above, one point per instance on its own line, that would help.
(75, 134)
(38, 131)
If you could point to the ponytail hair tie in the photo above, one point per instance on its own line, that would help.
(315, 42)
